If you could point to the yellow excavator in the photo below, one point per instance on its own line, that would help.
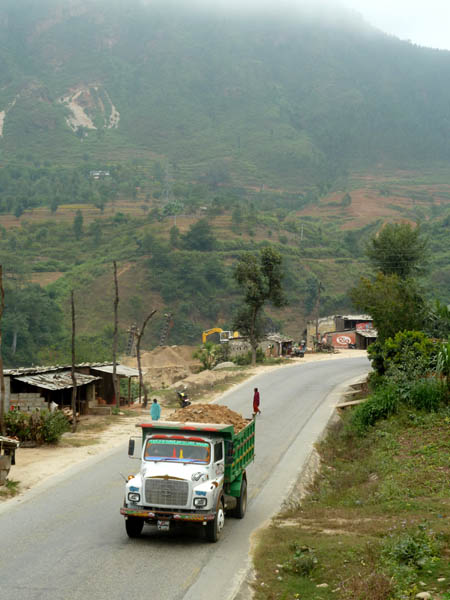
(224, 335)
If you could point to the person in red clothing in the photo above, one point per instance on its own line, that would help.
(256, 403)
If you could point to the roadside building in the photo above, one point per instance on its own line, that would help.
(36, 388)
(342, 331)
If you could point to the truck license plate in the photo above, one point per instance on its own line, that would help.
(163, 525)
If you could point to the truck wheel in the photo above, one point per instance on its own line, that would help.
(134, 526)
(214, 528)
(241, 505)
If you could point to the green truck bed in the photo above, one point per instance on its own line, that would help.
(239, 447)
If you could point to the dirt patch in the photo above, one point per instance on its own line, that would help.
(210, 413)
(46, 277)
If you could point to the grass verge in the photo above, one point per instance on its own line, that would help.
(10, 489)
(375, 524)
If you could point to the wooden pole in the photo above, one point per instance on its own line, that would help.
(142, 385)
(2, 380)
(74, 379)
(116, 320)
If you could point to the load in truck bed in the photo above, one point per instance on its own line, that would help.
(209, 413)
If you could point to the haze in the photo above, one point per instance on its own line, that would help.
(422, 23)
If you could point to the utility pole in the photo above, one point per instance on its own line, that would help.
(2, 381)
(116, 305)
(74, 379)
(317, 309)
(142, 385)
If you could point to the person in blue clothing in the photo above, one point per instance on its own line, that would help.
(155, 410)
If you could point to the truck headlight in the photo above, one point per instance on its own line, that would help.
(199, 475)
(200, 502)
(133, 497)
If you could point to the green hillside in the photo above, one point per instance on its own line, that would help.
(284, 99)
(178, 137)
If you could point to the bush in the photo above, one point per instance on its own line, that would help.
(426, 394)
(303, 561)
(381, 405)
(42, 427)
(246, 359)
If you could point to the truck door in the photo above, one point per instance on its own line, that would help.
(219, 466)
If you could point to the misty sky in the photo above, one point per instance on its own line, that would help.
(424, 22)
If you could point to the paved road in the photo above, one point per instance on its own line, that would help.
(68, 542)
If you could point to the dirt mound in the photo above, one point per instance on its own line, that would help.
(209, 413)
(166, 356)
(166, 364)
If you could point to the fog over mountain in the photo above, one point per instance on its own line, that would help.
(293, 90)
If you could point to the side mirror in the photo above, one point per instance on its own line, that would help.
(134, 447)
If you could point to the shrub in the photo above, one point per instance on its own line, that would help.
(246, 359)
(40, 427)
(381, 405)
(426, 394)
(302, 562)
(414, 549)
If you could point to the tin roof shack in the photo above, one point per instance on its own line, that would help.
(31, 389)
(365, 337)
(104, 386)
(278, 345)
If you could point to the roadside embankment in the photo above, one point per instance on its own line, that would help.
(375, 521)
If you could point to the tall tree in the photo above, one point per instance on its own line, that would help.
(78, 224)
(398, 249)
(260, 277)
(395, 304)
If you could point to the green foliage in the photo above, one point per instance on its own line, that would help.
(78, 224)
(395, 304)
(199, 237)
(398, 249)
(383, 403)
(42, 427)
(246, 358)
(207, 354)
(409, 350)
(260, 278)
(408, 554)
(32, 320)
(302, 562)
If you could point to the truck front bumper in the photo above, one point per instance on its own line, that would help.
(167, 515)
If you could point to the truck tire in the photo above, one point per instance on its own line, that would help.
(241, 505)
(214, 528)
(134, 526)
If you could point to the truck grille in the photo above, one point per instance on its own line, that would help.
(166, 492)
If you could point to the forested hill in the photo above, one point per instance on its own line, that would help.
(270, 98)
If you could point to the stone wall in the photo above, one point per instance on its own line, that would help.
(28, 402)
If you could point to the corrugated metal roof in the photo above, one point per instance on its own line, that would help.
(121, 370)
(355, 317)
(367, 333)
(57, 381)
(50, 369)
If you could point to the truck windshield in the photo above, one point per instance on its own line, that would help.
(177, 450)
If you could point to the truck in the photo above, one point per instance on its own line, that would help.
(191, 473)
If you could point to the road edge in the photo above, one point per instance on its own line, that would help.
(243, 589)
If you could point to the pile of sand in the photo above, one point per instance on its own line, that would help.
(209, 413)
(166, 364)
(169, 356)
